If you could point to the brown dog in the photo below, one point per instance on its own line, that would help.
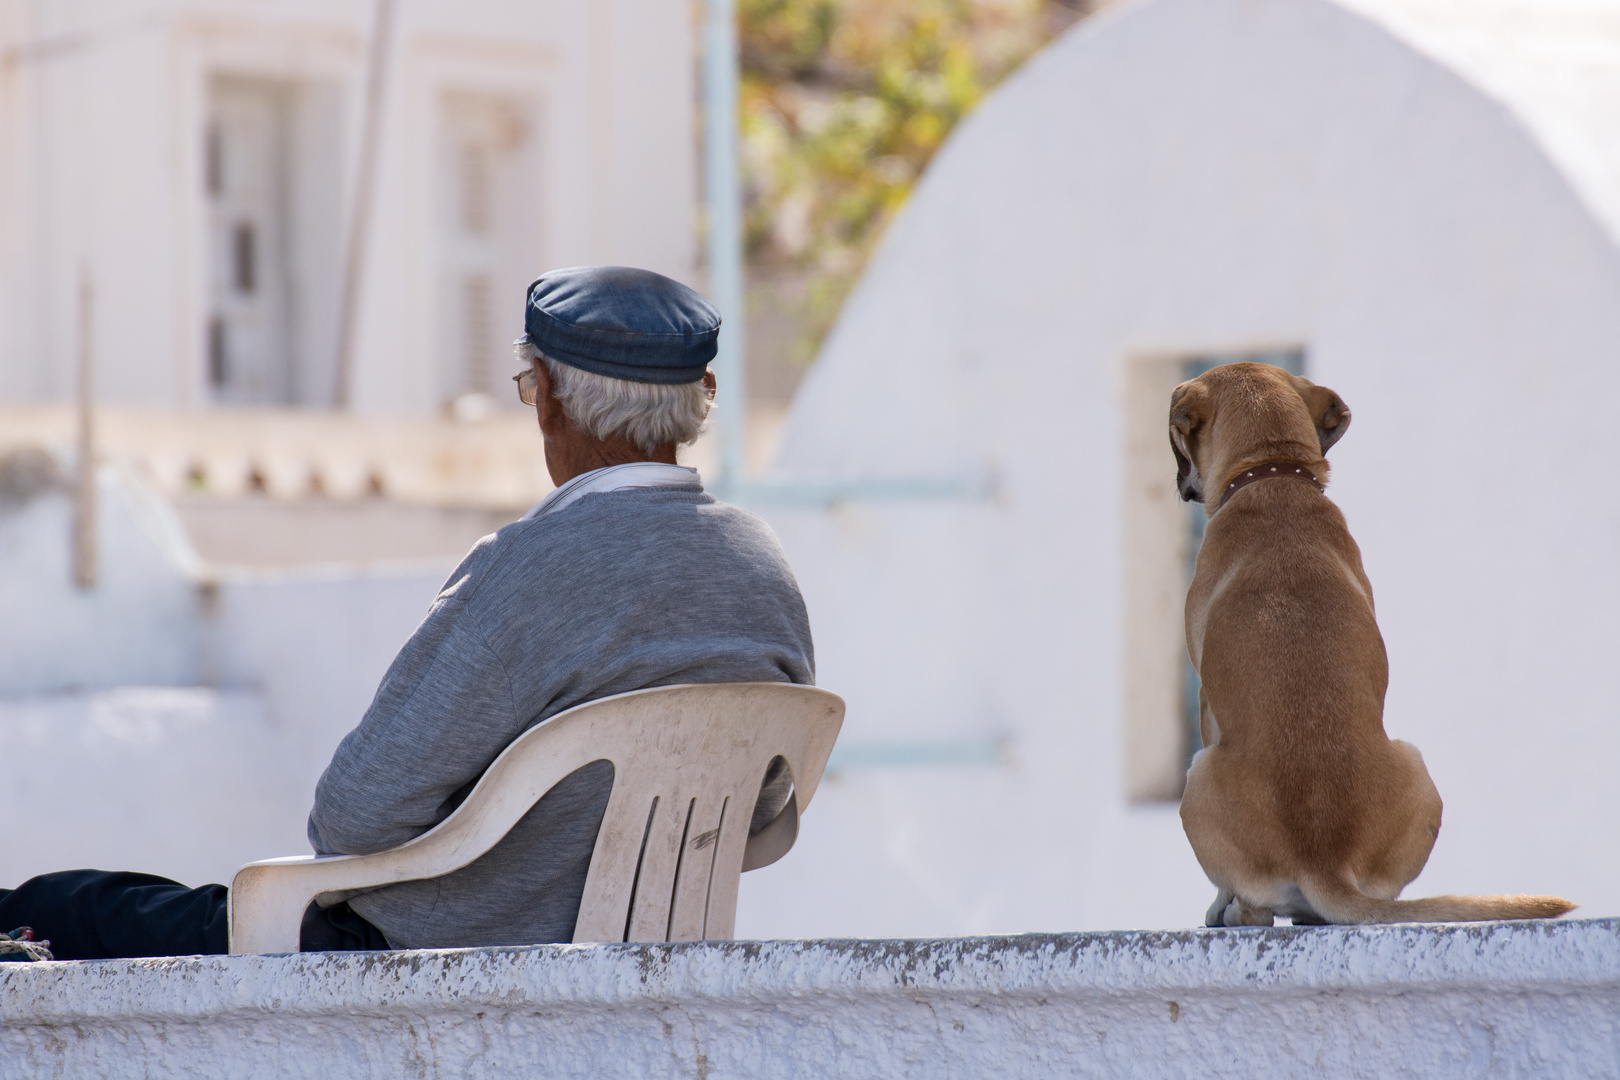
(1299, 804)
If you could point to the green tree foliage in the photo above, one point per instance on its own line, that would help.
(843, 104)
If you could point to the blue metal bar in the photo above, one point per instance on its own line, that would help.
(803, 490)
(859, 757)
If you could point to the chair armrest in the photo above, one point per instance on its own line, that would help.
(267, 899)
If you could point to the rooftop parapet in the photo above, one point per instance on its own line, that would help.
(1491, 999)
(492, 461)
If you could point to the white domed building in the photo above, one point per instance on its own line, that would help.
(1415, 202)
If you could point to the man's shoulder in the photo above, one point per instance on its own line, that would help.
(463, 580)
(694, 512)
(666, 522)
(659, 507)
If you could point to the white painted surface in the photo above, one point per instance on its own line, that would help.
(1489, 1000)
(168, 780)
(1553, 64)
(139, 625)
(174, 722)
(1195, 176)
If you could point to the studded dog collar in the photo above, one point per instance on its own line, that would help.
(1266, 471)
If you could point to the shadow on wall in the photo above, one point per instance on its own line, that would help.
(140, 624)
(172, 720)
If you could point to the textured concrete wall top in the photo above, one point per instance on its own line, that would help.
(1532, 999)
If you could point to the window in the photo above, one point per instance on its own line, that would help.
(271, 194)
(1162, 537)
(246, 163)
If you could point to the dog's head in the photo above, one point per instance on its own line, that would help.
(1250, 410)
(1188, 414)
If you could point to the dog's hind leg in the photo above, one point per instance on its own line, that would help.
(1298, 909)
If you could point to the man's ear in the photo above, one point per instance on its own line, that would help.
(1328, 412)
(547, 407)
(1187, 406)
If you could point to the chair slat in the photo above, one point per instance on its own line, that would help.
(605, 906)
(649, 917)
(691, 885)
(720, 914)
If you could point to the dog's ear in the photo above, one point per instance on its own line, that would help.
(1328, 412)
(1187, 407)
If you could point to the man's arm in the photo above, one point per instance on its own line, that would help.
(443, 712)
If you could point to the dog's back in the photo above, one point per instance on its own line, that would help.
(1299, 804)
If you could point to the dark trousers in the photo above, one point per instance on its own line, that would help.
(100, 914)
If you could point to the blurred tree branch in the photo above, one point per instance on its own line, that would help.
(844, 102)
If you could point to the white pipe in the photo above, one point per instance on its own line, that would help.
(84, 500)
(382, 27)
(725, 229)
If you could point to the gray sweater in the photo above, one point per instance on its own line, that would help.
(620, 591)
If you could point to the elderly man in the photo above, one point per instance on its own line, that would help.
(626, 576)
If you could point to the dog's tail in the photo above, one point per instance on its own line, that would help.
(1339, 901)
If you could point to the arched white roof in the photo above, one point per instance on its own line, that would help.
(1554, 64)
(1418, 120)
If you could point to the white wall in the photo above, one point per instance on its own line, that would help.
(1187, 176)
(1489, 1000)
(171, 720)
(139, 625)
(188, 782)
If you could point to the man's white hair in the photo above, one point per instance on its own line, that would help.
(650, 415)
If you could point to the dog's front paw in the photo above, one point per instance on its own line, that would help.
(1233, 913)
(1238, 913)
(1216, 916)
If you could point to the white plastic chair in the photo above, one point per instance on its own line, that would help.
(688, 762)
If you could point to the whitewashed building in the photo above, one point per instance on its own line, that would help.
(199, 161)
(1417, 202)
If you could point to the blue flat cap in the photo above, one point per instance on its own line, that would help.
(622, 322)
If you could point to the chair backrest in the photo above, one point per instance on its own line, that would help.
(688, 762)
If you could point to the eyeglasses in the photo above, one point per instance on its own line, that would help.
(528, 389)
